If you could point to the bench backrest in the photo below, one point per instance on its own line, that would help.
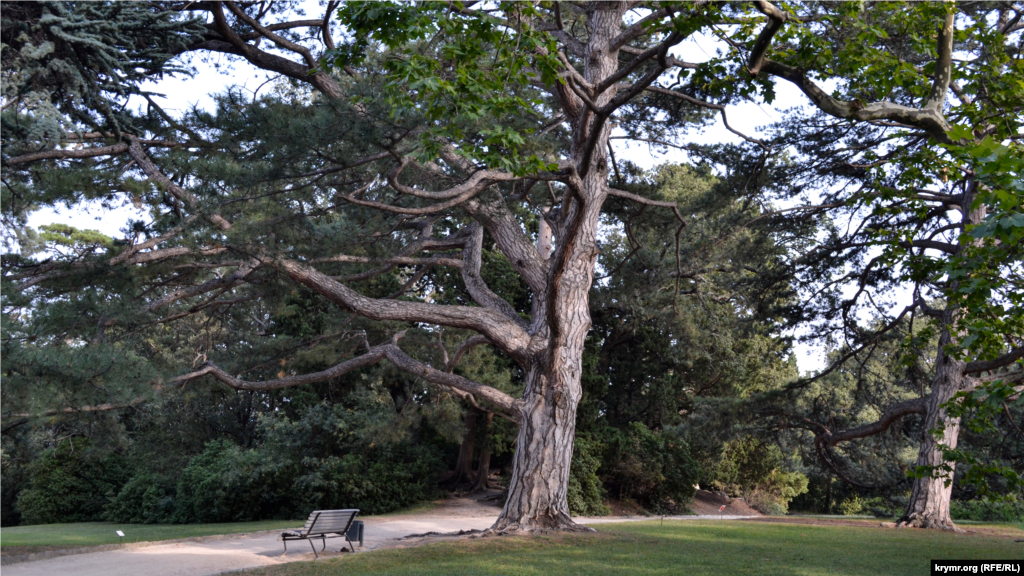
(329, 521)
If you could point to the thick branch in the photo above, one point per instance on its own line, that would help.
(391, 352)
(930, 120)
(280, 41)
(499, 329)
(996, 363)
(58, 154)
(776, 18)
(478, 289)
(495, 215)
(894, 413)
(477, 182)
(943, 65)
(139, 155)
(642, 26)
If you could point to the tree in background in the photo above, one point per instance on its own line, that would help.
(931, 210)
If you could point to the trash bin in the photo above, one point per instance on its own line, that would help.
(355, 532)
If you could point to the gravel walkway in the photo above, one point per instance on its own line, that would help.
(216, 556)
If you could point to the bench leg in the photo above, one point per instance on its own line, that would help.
(285, 547)
(314, 549)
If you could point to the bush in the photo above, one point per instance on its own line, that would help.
(851, 506)
(143, 500)
(655, 469)
(70, 483)
(14, 477)
(227, 484)
(383, 479)
(316, 462)
(753, 468)
(585, 490)
(772, 495)
(1010, 510)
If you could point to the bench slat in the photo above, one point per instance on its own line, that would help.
(329, 521)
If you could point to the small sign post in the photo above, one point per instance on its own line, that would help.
(720, 511)
(120, 536)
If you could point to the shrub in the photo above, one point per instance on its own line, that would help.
(315, 462)
(753, 468)
(985, 510)
(70, 483)
(655, 469)
(143, 500)
(851, 506)
(14, 477)
(585, 490)
(383, 479)
(772, 495)
(226, 484)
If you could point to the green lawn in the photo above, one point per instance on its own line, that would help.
(681, 547)
(29, 539)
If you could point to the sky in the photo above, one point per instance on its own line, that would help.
(182, 93)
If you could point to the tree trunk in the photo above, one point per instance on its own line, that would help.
(537, 493)
(930, 495)
(463, 473)
(929, 498)
(483, 469)
(537, 499)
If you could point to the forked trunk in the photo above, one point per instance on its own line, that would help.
(537, 493)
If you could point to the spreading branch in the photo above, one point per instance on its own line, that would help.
(389, 351)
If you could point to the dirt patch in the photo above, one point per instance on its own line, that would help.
(22, 550)
(708, 503)
(625, 509)
(467, 506)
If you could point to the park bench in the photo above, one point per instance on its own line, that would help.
(324, 524)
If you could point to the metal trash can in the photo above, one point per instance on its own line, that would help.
(355, 532)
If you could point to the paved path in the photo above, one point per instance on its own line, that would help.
(251, 551)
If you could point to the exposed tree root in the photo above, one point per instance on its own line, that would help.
(442, 534)
(565, 525)
(927, 521)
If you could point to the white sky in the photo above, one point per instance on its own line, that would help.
(182, 93)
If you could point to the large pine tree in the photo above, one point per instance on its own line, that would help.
(426, 133)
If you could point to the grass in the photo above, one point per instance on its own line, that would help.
(692, 547)
(38, 538)
(29, 539)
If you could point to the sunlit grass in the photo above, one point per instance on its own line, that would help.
(29, 539)
(686, 547)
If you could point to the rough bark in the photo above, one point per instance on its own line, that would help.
(537, 494)
(930, 495)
